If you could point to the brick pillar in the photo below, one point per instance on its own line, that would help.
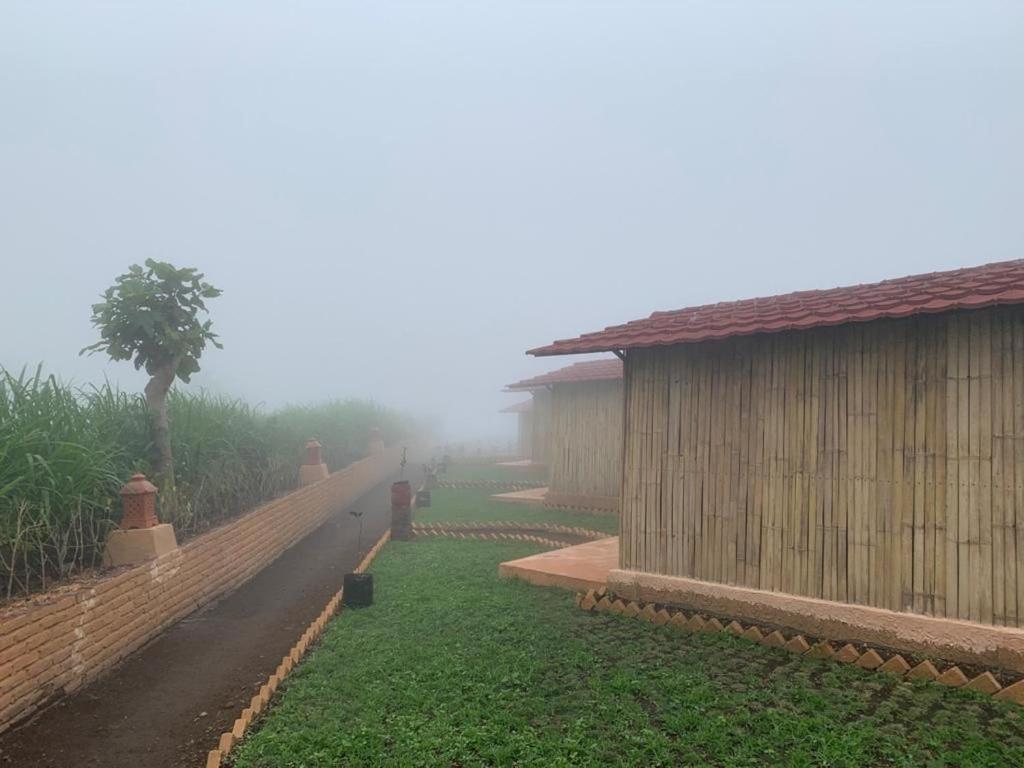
(401, 511)
(141, 536)
(313, 469)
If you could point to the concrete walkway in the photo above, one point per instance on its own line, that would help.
(581, 567)
(532, 497)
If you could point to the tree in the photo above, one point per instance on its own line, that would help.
(151, 317)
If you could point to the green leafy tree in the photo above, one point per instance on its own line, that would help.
(151, 317)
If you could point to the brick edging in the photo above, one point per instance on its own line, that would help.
(870, 658)
(229, 739)
(579, 508)
(503, 525)
(493, 485)
(494, 536)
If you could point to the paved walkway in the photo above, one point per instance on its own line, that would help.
(581, 567)
(167, 705)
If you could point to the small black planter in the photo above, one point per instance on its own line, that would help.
(358, 590)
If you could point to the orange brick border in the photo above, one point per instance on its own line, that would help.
(491, 485)
(865, 657)
(495, 536)
(258, 703)
(584, 533)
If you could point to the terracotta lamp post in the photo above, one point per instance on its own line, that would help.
(138, 500)
(313, 469)
(401, 511)
(141, 536)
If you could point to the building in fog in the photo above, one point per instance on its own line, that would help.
(524, 427)
(580, 437)
(862, 445)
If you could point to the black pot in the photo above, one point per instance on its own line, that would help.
(358, 590)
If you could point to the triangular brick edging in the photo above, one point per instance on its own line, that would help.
(493, 536)
(258, 703)
(492, 485)
(436, 529)
(864, 657)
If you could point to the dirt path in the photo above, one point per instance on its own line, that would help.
(167, 705)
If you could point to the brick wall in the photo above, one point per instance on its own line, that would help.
(64, 639)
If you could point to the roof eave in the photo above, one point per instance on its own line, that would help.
(552, 350)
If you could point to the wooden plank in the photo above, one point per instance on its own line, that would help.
(939, 432)
(952, 482)
(828, 536)
(1008, 475)
(997, 525)
(1018, 460)
(855, 529)
(977, 599)
(758, 407)
(886, 545)
(920, 451)
(817, 508)
(901, 597)
(930, 451)
(871, 385)
(964, 470)
(744, 428)
(984, 502)
(843, 538)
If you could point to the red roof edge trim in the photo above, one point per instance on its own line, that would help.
(608, 369)
(989, 285)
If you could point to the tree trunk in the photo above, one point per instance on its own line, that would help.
(163, 461)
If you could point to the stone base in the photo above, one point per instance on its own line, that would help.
(136, 545)
(952, 639)
(580, 567)
(401, 524)
(312, 473)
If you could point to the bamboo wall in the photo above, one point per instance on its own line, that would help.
(525, 445)
(879, 463)
(541, 426)
(586, 438)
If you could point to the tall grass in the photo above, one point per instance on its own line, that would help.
(65, 452)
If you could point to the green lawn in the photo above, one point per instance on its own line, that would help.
(461, 505)
(454, 667)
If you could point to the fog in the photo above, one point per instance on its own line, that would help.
(399, 199)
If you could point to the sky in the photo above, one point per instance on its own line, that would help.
(399, 199)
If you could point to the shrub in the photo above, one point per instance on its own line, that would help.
(65, 452)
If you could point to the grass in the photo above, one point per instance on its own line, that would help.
(65, 452)
(456, 505)
(453, 667)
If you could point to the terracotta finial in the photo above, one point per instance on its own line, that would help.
(138, 500)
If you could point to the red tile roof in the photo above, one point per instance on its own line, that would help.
(970, 288)
(524, 407)
(592, 370)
